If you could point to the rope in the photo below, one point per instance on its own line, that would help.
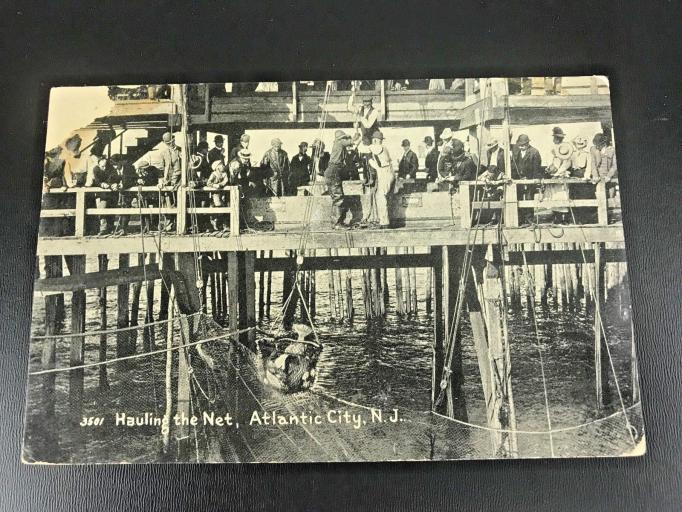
(137, 356)
(628, 425)
(539, 349)
(113, 330)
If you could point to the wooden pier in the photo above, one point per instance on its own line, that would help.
(472, 263)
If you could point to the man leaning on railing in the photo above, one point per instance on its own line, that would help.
(170, 165)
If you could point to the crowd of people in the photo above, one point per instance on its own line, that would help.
(358, 155)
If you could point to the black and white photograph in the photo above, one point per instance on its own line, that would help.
(332, 271)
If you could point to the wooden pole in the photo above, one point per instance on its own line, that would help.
(77, 351)
(233, 291)
(601, 360)
(268, 297)
(429, 290)
(438, 355)
(122, 319)
(500, 401)
(149, 332)
(166, 434)
(261, 291)
(399, 291)
(453, 256)
(103, 263)
(413, 283)
(247, 298)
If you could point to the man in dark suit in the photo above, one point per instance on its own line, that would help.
(409, 163)
(526, 160)
(494, 168)
(431, 161)
(526, 164)
(300, 169)
(124, 176)
(218, 152)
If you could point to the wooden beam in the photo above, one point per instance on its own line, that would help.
(96, 279)
(283, 240)
(438, 355)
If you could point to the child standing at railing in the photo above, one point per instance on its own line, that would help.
(218, 180)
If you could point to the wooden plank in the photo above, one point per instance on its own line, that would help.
(80, 213)
(123, 345)
(438, 355)
(100, 279)
(321, 239)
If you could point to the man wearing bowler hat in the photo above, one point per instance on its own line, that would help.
(300, 169)
(217, 152)
(409, 163)
(333, 176)
(526, 164)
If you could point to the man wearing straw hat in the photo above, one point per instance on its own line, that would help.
(559, 169)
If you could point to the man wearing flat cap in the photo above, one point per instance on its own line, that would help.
(366, 116)
(218, 151)
(170, 165)
(300, 169)
(409, 163)
(275, 169)
(333, 176)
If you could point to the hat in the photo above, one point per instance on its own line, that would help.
(600, 138)
(245, 137)
(202, 145)
(457, 147)
(523, 139)
(276, 142)
(558, 132)
(492, 143)
(116, 158)
(405, 143)
(340, 134)
(195, 161)
(428, 139)
(367, 100)
(447, 134)
(216, 163)
(218, 138)
(580, 142)
(142, 164)
(563, 151)
(244, 153)
(378, 135)
(304, 143)
(166, 137)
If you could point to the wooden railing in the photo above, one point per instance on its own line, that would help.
(79, 202)
(470, 201)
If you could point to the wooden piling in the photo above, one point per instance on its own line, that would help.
(168, 376)
(453, 257)
(247, 298)
(400, 306)
(261, 291)
(77, 349)
(499, 398)
(413, 285)
(438, 347)
(103, 264)
(601, 358)
(233, 292)
(148, 341)
(122, 303)
(268, 295)
(429, 291)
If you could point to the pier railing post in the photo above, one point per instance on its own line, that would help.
(438, 357)
(465, 204)
(234, 213)
(80, 213)
(602, 204)
(601, 359)
(511, 205)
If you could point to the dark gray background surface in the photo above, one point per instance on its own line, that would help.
(637, 44)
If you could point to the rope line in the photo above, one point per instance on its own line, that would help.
(114, 330)
(144, 354)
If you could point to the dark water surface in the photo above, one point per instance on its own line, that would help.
(377, 364)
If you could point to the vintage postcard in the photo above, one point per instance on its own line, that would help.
(322, 271)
